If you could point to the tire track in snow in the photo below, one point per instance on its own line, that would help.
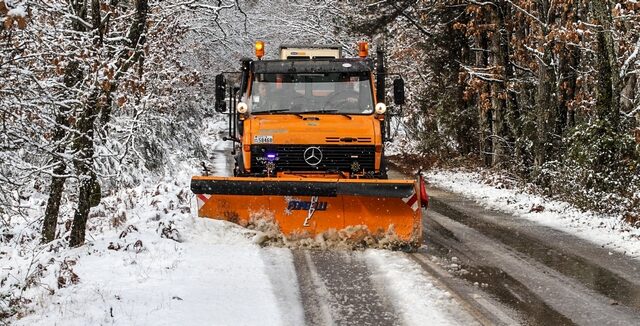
(542, 294)
(279, 263)
(336, 289)
(599, 270)
(313, 293)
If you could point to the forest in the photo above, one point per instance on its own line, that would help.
(97, 96)
(545, 92)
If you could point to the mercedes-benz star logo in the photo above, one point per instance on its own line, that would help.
(313, 156)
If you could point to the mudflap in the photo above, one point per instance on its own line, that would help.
(383, 210)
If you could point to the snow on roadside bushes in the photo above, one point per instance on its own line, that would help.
(605, 230)
(148, 260)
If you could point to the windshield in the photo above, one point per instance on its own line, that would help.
(341, 93)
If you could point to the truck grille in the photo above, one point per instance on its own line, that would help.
(291, 157)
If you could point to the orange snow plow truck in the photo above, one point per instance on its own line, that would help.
(309, 133)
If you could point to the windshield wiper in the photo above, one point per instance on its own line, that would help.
(321, 111)
(271, 111)
(279, 111)
(327, 111)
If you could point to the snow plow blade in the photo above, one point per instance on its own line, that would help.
(383, 211)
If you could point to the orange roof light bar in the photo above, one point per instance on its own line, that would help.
(363, 49)
(259, 49)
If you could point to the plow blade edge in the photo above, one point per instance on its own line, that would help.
(307, 207)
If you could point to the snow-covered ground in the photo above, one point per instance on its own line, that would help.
(607, 231)
(195, 272)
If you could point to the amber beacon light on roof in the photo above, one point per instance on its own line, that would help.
(259, 49)
(363, 49)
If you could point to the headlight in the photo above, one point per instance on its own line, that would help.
(381, 108)
(242, 107)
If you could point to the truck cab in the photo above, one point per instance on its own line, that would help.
(311, 112)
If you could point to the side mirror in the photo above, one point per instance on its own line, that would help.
(398, 91)
(221, 91)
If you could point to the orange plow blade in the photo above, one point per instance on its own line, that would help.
(383, 210)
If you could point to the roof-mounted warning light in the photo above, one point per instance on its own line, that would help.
(363, 49)
(259, 49)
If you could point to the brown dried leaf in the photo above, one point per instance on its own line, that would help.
(22, 23)
(3, 8)
(114, 246)
(106, 85)
(8, 22)
(138, 246)
(74, 278)
(121, 101)
(536, 209)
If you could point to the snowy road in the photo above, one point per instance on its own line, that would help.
(525, 271)
(373, 287)
(499, 269)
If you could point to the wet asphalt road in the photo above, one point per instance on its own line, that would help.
(530, 273)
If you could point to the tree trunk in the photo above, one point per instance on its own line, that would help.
(568, 61)
(545, 99)
(100, 104)
(135, 40)
(500, 61)
(82, 212)
(568, 64)
(608, 81)
(80, 11)
(72, 76)
(518, 112)
(53, 203)
(484, 114)
(545, 110)
(84, 165)
(628, 93)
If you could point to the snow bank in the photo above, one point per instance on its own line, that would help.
(605, 230)
(163, 283)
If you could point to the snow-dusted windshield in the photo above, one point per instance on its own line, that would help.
(339, 93)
